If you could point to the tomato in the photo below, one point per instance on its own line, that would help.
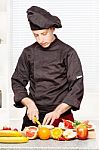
(82, 132)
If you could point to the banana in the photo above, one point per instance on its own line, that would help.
(10, 133)
(13, 139)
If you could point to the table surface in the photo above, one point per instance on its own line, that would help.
(89, 144)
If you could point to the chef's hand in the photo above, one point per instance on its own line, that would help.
(32, 110)
(51, 116)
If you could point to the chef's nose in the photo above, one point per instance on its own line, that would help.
(41, 39)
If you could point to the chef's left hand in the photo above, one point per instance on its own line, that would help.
(50, 117)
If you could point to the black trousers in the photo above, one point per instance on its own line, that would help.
(67, 115)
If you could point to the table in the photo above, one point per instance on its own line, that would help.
(89, 144)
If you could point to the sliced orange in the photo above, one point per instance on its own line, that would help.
(56, 133)
(31, 132)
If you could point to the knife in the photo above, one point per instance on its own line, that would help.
(37, 121)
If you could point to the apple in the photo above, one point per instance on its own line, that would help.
(82, 132)
(69, 134)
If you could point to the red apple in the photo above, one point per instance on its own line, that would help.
(69, 134)
(82, 132)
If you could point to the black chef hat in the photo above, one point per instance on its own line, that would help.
(41, 19)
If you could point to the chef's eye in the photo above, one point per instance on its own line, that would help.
(45, 33)
(36, 35)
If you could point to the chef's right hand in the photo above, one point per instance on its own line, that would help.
(32, 110)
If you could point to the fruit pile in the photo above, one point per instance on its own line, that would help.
(45, 133)
(71, 131)
(66, 130)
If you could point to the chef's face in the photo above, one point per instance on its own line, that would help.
(44, 37)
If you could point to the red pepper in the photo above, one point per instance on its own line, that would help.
(68, 124)
(62, 139)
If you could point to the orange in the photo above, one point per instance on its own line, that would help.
(56, 133)
(44, 133)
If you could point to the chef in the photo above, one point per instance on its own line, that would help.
(51, 69)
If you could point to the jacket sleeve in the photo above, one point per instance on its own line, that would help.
(20, 79)
(75, 80)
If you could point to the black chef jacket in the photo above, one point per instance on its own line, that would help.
(54, 75)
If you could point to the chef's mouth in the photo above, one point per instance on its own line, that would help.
(44, 44)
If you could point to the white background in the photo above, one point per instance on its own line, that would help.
(80, 21)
